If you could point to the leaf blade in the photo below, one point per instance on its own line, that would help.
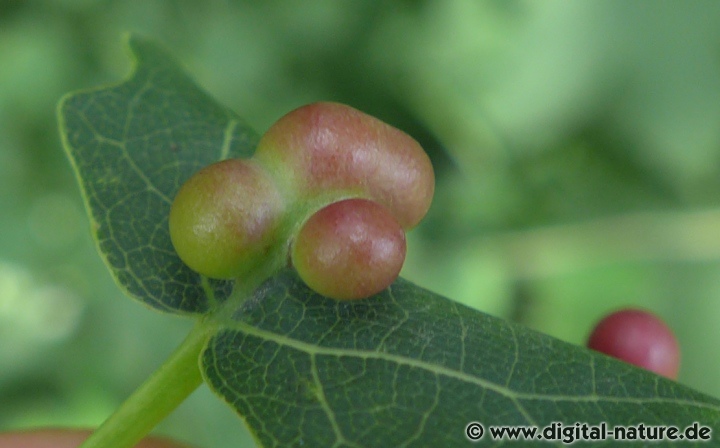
(132, 146)
(390, 371)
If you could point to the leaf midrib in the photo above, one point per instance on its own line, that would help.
(314, 350)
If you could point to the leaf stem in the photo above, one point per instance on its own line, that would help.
(157, 397)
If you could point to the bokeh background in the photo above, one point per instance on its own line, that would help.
(577, 149)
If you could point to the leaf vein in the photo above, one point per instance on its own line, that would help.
(448, 372)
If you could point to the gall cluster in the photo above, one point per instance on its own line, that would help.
(329, 189)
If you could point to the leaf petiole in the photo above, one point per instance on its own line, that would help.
(157, 397)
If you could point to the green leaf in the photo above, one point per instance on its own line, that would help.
(411, 368)
(133, 145)
(403, 368)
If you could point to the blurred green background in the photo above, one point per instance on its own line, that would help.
(577, 149)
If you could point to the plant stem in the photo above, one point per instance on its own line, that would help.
(157, 397)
